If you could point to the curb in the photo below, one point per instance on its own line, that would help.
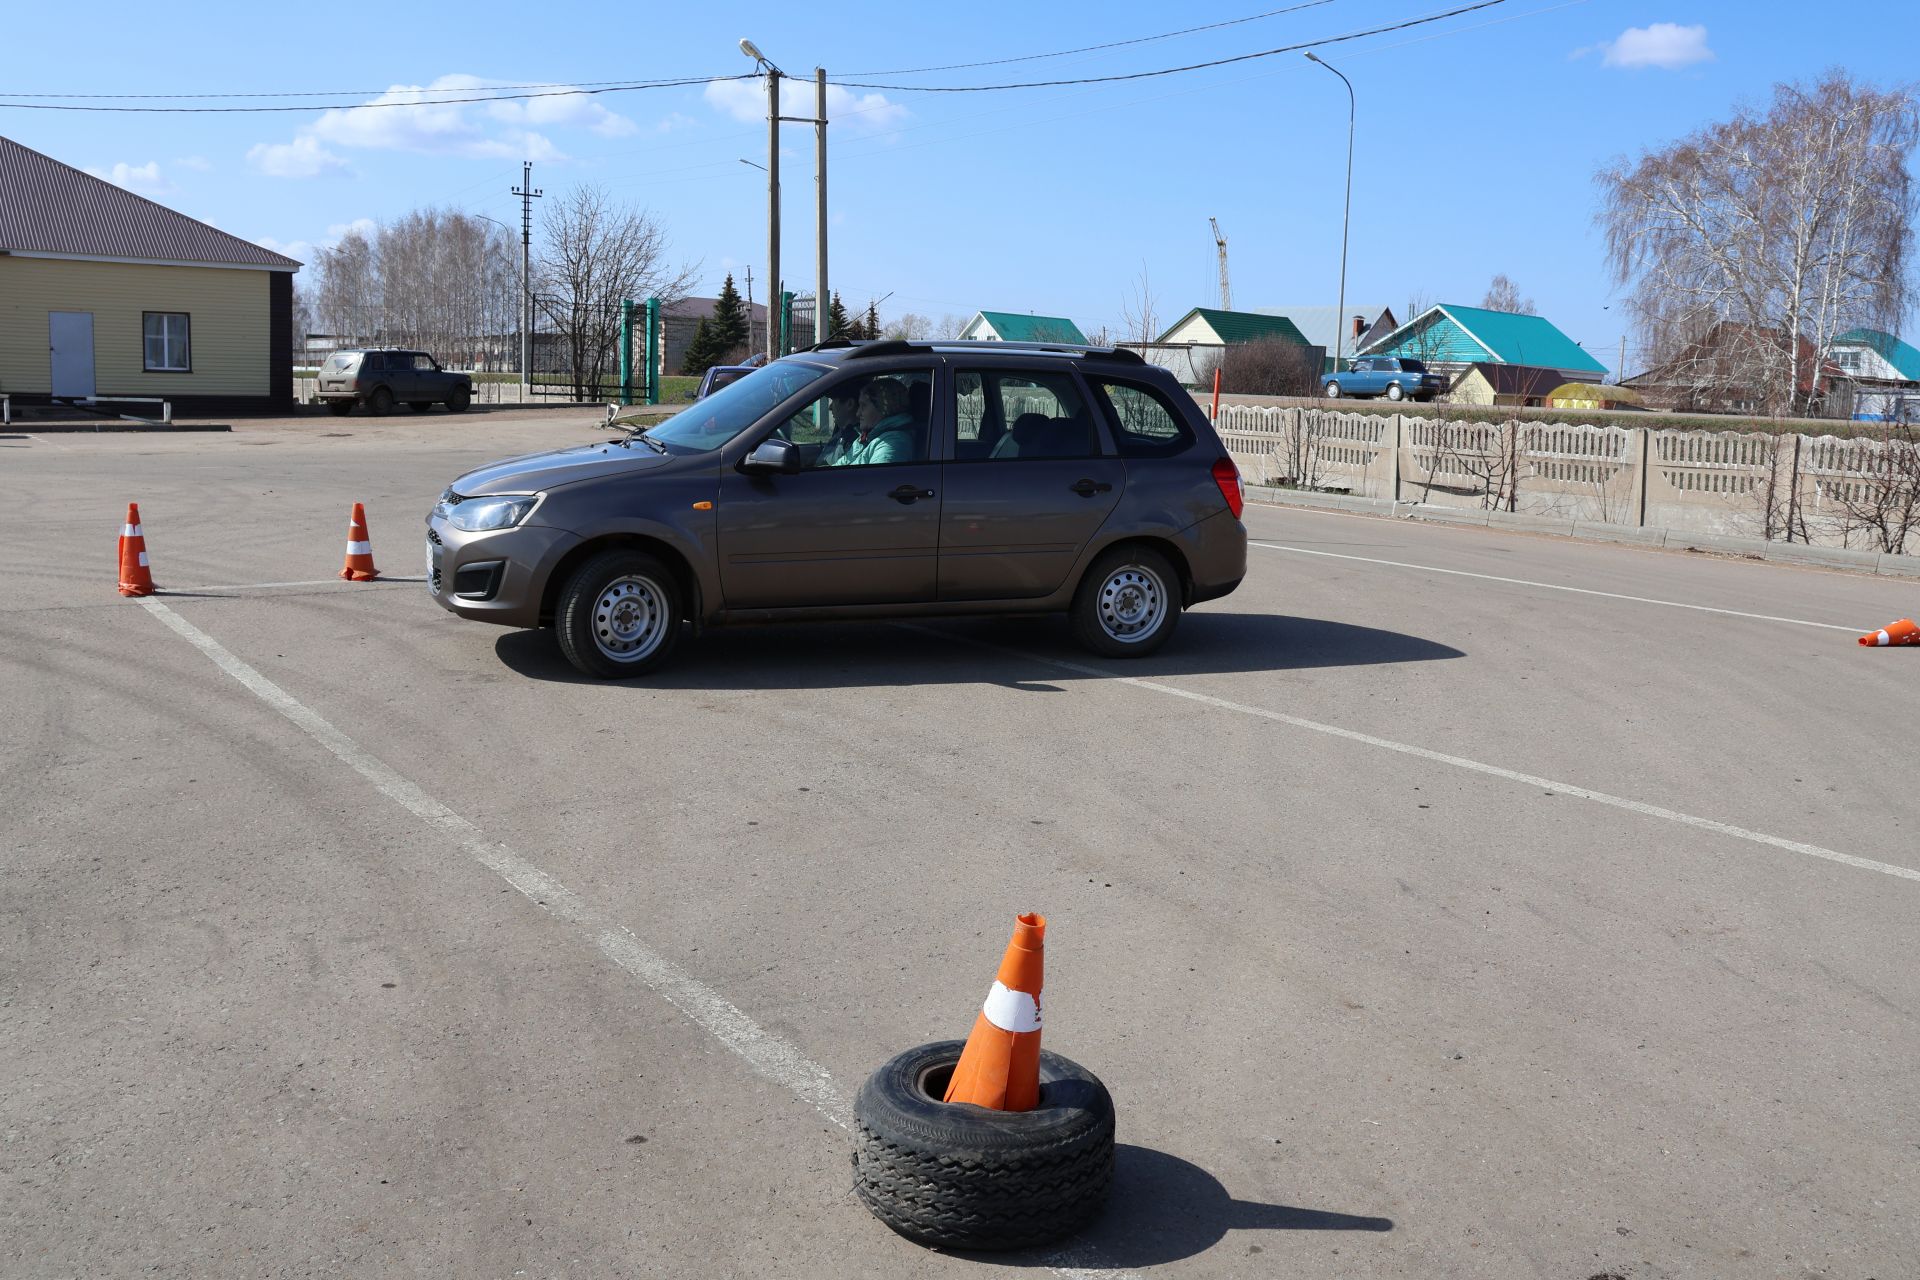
(72, 428)
(1879, 563)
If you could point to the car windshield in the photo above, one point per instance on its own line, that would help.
(1412, 366)
(711, 422)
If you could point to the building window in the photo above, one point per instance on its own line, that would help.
(166, 342)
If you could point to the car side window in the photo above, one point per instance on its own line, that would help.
(1006, 415)
(374, 362)
(1144, 424)
(865, 421)
(423, 364)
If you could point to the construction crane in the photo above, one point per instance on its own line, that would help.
(1220, 242)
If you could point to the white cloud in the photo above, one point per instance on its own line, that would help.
(746, 101)
(422, 119)
(675, 120)
(308, 251)
(141, 179)
(304, 157)
(298, 250)
(199, 164)
(336, 232)
(1665, 45)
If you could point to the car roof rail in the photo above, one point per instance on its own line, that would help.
(886, 347)
(903, 346)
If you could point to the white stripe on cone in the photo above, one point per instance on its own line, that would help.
(130, 531)
(1012, 1010)
(1881, 637)
(143, 560)
(359, 548)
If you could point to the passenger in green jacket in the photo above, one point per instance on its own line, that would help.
(885, 427)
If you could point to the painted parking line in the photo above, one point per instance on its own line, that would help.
(1453, 761)
(769, 1055)
(1555, 586)
(264, 586)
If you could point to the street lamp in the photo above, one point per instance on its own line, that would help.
(521, 317)
(1346, 216)
(819, 121)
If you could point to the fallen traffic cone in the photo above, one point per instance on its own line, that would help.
(136, 579)
(359, 566)
(1901, 632)
(1000, 1067)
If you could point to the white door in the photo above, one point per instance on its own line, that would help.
(70, 348)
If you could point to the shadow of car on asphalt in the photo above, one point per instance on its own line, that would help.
(1164, 1209)
(1028, 653)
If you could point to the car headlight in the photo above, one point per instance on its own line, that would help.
(480, 515)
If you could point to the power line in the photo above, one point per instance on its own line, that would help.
(1095, 48)
(1170, 71)
(618, 87)
(558, 85)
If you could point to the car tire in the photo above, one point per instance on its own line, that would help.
(339, 408)
(1332, 390)
(957, 1176)
(1395, 392)
(458, 401)
(1128, 604)
(380, 403)
(619, 615)
(419, 406)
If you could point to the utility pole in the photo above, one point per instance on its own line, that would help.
(773, 209)
(1226, 290)
(528, 194)
(821, 295)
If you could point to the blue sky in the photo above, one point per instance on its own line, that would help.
(1477, 136)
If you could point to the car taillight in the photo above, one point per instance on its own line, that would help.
(1232, 488)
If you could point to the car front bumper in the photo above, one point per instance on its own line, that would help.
(498, 576)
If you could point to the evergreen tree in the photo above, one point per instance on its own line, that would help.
(873, 319)
(703, 352)
(838, 325)
(729, 320)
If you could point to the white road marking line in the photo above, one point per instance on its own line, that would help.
(1458, 762)
(772, 1057)
(262, 586)
(766, 1053)
(1554, 586)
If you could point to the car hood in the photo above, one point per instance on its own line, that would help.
(537, 471)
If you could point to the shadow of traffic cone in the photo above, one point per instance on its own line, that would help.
(1901, 632)
(136, 579)
(1000, 1067)
(359, 566)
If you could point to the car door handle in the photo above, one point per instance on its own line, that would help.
(1087, 488)
(909, 493)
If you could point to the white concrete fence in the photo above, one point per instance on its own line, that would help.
(1859, 493)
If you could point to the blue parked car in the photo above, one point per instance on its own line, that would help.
(1394, 377)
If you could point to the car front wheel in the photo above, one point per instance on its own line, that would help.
(1333, 390)
(619, 615)
(1128, 604)
(458, 401)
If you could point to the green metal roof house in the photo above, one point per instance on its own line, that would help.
(1455, 336)
(1011, 326)
(1221, 328)
(1870, 355)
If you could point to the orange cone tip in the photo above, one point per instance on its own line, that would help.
(136, 578)
(1000, 1067)
(1901, 632)
(359, 566)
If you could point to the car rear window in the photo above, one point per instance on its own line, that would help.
(1144, 424)
(341, 361)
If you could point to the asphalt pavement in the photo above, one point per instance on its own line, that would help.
(1445, 902)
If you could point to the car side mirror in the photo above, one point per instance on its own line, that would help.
(774, 457)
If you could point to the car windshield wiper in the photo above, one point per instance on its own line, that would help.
(646, 439)
(634, 431)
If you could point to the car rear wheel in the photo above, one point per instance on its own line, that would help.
(380, 402)
(339, 408)
(1333, 391)
(619, 615)
(1128, 604)
(459, 400)
(1394, 392)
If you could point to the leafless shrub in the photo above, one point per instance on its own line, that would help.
(1268, 367)
(1881, 499)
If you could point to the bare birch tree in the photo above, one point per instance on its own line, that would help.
(1504, 295)
(1792, 225)
(1140, 310)
(594, 254)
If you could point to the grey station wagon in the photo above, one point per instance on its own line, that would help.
(861, 480)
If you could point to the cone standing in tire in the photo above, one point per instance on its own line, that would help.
(1000, 1068)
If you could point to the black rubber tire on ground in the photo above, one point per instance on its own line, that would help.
(419, 406)
(339, 408)
(575, 622)
(1332, 390)
(1086, 615)
(380, 402)
(458, 401)
(1396, 392)
(957, 1176)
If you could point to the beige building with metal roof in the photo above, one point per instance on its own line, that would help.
(105, 294)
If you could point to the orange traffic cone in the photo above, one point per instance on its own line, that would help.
(136, 579)
(1000, 1067)
(359, 566)
(1901, 632)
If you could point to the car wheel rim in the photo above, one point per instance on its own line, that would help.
(1132, 602)
(630, 618)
